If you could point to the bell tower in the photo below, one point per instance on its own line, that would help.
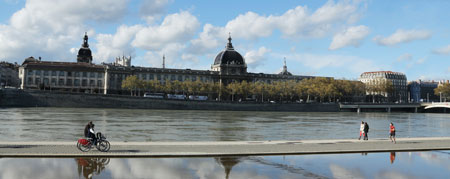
(84, 54)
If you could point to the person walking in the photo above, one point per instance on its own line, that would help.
(392, 133)
(361, 130)
(366, 131)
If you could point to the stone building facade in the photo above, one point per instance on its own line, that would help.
(84, 76)
(9, 75)
(399, 83)
(423, 91)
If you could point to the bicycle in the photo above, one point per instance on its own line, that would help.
(87, 144)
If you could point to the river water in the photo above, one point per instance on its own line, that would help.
(432, 164)
(67, 124)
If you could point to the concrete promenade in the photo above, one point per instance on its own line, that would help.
(208, 149)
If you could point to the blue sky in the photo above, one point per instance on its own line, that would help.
(339, 39)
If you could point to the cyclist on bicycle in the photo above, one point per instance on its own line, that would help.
(89, 132)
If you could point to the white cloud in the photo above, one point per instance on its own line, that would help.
(111, 46)
(169, 38)
(405, 57)
(351, 36)
(178, 27)
(151, 10)
(255, 58)
(51, 32)
(421, 60)
(207, 40)
(443, 50)
(250, 26)
(36, 168)
(340, 172)
(49, 27)
(295, 23)
(352, 64)
(409, 60)
(403, 36)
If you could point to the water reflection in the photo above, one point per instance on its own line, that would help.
(89, 167)
(392, 157)
(435, 164)
(227, 163)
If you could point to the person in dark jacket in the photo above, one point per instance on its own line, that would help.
(366, 131)
(86, 129)
(89, 131)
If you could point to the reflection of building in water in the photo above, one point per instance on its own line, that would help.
(87, 166)
(227, 163)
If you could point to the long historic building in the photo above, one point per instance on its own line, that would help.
(84, 76)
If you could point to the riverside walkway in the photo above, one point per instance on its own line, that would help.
(208, 149)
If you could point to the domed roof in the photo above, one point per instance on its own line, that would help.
(229, 56)
(30, 59)
(85, 53)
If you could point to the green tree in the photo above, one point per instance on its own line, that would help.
(233, 88)
(131, 83)
(153, 86)
(443, 90)
(245, 89)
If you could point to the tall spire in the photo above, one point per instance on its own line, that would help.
(164, 61)
(229, 45)
(285, 71)
(85, 41)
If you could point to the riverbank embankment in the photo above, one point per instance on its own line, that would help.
(237, 148)
(40, 98)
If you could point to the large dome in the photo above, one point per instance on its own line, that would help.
(229, 56)
(84, 52)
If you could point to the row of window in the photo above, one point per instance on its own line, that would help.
(391, 76)
(161, 77)
(65, 73)
(62, 82)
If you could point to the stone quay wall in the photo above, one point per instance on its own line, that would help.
(37, 98)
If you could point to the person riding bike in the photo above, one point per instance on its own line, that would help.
(89, 132)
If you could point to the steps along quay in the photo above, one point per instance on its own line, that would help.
(236, 148)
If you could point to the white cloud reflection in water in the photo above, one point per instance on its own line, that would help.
(433, 164)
